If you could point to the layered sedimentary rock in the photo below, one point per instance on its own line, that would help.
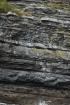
(35, 49)
(36, 44)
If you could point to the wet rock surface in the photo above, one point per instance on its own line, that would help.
(35, 51)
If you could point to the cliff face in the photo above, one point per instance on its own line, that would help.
(35, 50)
(37, 43)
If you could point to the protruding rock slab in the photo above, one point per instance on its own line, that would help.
(34, 79)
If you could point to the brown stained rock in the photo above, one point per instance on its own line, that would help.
(21, 95)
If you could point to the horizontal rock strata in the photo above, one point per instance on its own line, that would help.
(35, 55)
(35, 49)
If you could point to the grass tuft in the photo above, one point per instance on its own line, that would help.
(6, 7)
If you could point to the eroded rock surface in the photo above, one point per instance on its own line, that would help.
(37, 43)
(35, 49)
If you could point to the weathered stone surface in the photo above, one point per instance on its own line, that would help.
(20, 95)
(35, 56)
(35, 51)
(26, 44)
(34, 78)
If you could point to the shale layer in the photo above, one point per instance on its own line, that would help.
(35, 49)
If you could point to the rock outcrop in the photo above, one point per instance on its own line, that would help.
(36, 44)
(35, 49)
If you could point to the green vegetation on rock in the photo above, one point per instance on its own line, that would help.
(55, 5)
(6, 7)
(51, 53)
(59, 6)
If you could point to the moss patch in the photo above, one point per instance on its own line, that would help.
(5, 7)
(58, 5)
(51, 54)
